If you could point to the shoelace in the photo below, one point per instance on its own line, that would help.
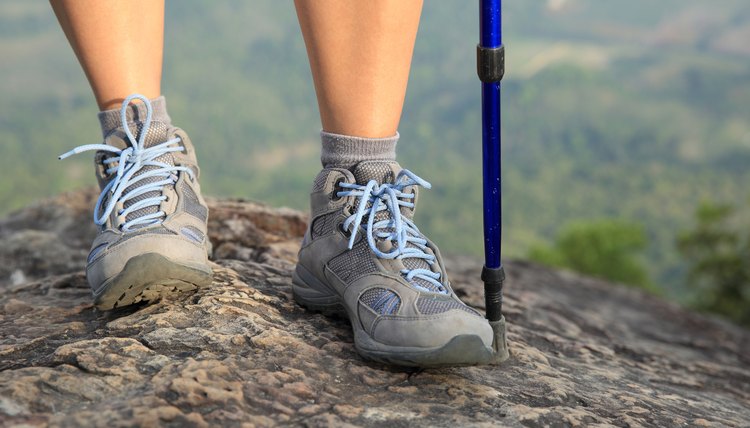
(374, 198)
(126, 164)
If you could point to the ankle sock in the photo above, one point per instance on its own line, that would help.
(136, 113)
(345, 151)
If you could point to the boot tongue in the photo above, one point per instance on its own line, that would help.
(380, 171)
(158, 133)
(385, 172)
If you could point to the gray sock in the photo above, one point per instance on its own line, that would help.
(344, 151)
(136, 113)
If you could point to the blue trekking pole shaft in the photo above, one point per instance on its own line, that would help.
(490, 69)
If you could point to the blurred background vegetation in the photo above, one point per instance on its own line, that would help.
(620, 119)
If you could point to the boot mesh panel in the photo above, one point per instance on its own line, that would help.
(353, 264)
(378, 171)
(323, 225)
(414, 263)
(157, 134)
(320, 181)
(380, 300)
(191, 204)
(429, 306)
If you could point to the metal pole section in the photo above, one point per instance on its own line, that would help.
(490, 68)
(490, 28)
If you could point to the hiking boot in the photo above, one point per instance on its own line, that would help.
(363, 257)
(153, 238)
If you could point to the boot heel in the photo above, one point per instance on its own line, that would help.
(312, 295)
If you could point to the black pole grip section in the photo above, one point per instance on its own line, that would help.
(493, 292)
(490, 64)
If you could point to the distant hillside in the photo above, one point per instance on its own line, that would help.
(636, 110)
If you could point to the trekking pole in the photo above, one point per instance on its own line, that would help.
(490, 68)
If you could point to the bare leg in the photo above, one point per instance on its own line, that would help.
(360, 54)
(118, 43)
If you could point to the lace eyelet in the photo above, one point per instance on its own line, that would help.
(346, 232)
(184, 150)
(336, 188)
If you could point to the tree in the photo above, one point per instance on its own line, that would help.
(719, 257)
(607, 248)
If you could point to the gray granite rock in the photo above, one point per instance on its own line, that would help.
(242, 353)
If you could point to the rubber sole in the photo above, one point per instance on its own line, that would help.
(149, 277)
(462, 350)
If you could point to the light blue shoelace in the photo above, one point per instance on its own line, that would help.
(374, 198)
(127, 163)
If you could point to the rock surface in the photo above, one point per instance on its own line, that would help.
(242, 353)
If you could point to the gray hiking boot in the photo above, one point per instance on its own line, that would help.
(364, 258)
(153, 238)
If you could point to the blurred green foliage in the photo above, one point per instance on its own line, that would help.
(609, 249)
(718, 248)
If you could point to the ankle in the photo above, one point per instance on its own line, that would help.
(344, 151)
